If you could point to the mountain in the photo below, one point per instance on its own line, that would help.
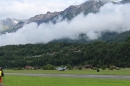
(119, 37)
(43, 18)
(90, 6)
(69, 13)
(7, 23)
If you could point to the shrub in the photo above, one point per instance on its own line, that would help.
(95, 68)
(69, 67)
(110, 68)
(80, 67)
(117, 68)
(15, 68)
(103, 67)
(48, 67)
(19, 68)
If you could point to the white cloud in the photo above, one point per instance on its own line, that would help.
(113, 18)
(28, 8)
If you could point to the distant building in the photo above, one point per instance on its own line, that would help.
(28, 67)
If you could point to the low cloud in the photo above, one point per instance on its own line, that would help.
(112, 18)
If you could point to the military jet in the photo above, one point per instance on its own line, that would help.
(61, 68)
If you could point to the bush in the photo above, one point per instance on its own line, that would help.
(80, 67)
(95, 68)
(69, 67)
(117, 68)
(15, 68)
(103, 67)
(110, 68)
(48, 67)
(19, 68)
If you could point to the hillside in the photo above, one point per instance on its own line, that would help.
(98, 54)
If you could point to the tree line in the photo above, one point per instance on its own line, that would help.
(38, 55)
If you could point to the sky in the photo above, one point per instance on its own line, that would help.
(24, 9)
(111, 18)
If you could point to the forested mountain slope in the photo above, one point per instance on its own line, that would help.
(97, 53)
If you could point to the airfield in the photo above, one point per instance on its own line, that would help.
(67, 78)
(74, 75)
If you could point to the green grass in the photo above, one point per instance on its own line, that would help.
(61, 81)
(13, 80)
(86, 71)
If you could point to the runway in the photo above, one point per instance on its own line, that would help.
(73, 75)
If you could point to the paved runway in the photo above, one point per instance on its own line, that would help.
(74, 75)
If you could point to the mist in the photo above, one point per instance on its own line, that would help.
(110, 18)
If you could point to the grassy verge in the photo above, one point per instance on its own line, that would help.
(61, 81)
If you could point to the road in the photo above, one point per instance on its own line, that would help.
(74, 75)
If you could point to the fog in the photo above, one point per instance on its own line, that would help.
(111, 18)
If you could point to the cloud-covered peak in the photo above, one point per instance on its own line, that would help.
(24, 9)
(112, 18)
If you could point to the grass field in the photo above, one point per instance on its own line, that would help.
(61, 81)
(12, 80)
